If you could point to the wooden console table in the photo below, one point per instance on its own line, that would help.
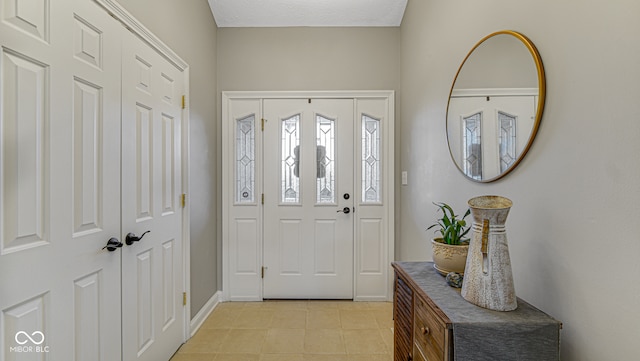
(432, 322)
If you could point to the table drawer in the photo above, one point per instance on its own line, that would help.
(429, 332)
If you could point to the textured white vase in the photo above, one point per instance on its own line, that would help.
(488, 280)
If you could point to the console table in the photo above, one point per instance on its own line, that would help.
(432, 322)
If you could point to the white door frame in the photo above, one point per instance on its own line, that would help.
(361, 276)
(121, 14)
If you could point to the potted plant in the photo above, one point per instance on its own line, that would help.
(451, 248)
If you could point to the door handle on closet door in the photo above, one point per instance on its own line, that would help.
(133, 238)
(112, 244)
(346, 210)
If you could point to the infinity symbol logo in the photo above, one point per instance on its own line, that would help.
(29, 338)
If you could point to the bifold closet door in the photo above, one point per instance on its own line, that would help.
(152, 267)
(59, 181)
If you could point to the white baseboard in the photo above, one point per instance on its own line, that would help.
(205, 311)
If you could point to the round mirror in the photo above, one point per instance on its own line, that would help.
(495, 106)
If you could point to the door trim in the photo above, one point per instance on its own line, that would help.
(119, 13)
(388, 178)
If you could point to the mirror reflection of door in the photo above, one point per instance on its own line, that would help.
(492, 132)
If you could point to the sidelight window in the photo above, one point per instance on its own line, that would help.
(245, 159)
(371, 163)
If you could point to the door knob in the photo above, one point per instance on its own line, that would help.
(112, 244)
(346, 210)
(133, 238)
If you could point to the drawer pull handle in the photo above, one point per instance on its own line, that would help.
(424, 330)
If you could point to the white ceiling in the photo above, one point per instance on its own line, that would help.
(285, 13)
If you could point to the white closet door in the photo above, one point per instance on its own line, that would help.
(152, 270)
(59, 181)
(309, 198)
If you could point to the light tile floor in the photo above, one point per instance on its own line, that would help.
(294, 331)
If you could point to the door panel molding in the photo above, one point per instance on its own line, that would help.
(373, 226)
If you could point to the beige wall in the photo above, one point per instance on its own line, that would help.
(189, 29)
(308, 58)
(572, 230)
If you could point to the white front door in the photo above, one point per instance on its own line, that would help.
(59, 181)
(290, 168)
(309, 198)
(152, 271)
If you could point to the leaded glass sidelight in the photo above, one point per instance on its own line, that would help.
(507, 140)
(245, 159)
(325, 159)
(371, 163)
(290, 164)
(472, 146)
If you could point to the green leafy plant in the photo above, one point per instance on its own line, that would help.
(451, 228)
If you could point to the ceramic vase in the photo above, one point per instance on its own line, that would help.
(488, 280)
(449, 258)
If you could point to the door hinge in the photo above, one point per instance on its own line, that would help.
(262, 198)
(184, 101)
(183, 200)
(262, 124)
(184, 298)
(263, 271)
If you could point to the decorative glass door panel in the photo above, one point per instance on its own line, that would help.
(325, 160)
(290, 167)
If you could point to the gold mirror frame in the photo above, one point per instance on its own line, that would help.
(540, 104)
